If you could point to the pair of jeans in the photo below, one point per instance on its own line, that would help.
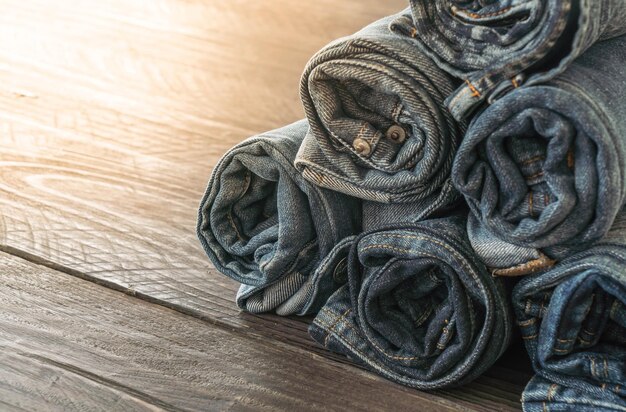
(265, 226)
(499, 45)
(379, 130)
(418, 307)
(544, 168)
(573, 322)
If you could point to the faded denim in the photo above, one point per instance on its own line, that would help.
(419, 308)
(379, 130)
(266, 227)
(573, 322)
(545, 167)
(499, 45)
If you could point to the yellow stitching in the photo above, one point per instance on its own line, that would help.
(473, 15)
(565, 340)
(515, 83)
(529, 337)
(584, 342)
(335, 324)
(532, 160)
(475, 92)
(545, 408)
(536, 175)
(551, 390)
(528, 322)
(413, 32)
(589, 333)
(372, 342)
(561, 350)
(530, 203)
(593, 367)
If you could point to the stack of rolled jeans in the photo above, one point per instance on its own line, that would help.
(461, 172)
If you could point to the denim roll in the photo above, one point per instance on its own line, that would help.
(418, 307)
(500, 45)
(545, 167)
(573, 322)
(265, 226)
(379, 130)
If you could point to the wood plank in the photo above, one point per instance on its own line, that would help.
(68, 344)
(112, 115)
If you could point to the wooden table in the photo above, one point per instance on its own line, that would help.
(112, 115)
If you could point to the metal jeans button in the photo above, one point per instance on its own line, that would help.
(362, 147)
(396, 133)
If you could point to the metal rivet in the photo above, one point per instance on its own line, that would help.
(362, 147)
(396, 133)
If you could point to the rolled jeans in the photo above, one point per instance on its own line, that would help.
(544, 168)
(418, 307)
(379, 130)
(573, 322)
(266, 227)
(501, 45)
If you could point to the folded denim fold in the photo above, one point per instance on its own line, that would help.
(379, 130)
(418, 308)
(573, 322)
(265, 226)
(545, 167)
(497, 46)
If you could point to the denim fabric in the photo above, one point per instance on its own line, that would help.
(541, 395)
(498, 45)
(263, 225)
(419, 308)
(378, 215)
(573, 322)
(545, 166)
(379, 130)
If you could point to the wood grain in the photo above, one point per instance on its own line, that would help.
(112, 115)
(67, 344)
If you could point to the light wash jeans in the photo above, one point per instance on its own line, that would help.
(497, 46)
(379, 130)
(418, 307)
(544, 168)
(573, 322)
(268, 228)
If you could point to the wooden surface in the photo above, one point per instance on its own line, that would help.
(112, 114)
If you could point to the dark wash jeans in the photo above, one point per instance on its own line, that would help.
(265, 226)
(379, 130)
(418, 308)
(573, 322)
(544, 168)
(499, 45)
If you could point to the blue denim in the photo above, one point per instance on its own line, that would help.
(573, 322)
(379, 130)
(331, 273)
(497, 46)
(265, 226)
(545, 167)
(418, 308)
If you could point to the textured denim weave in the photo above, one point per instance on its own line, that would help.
(545, 166)
(499, 45)
(379, 130)
(265, 226)
(418, 307)
(573, 321)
